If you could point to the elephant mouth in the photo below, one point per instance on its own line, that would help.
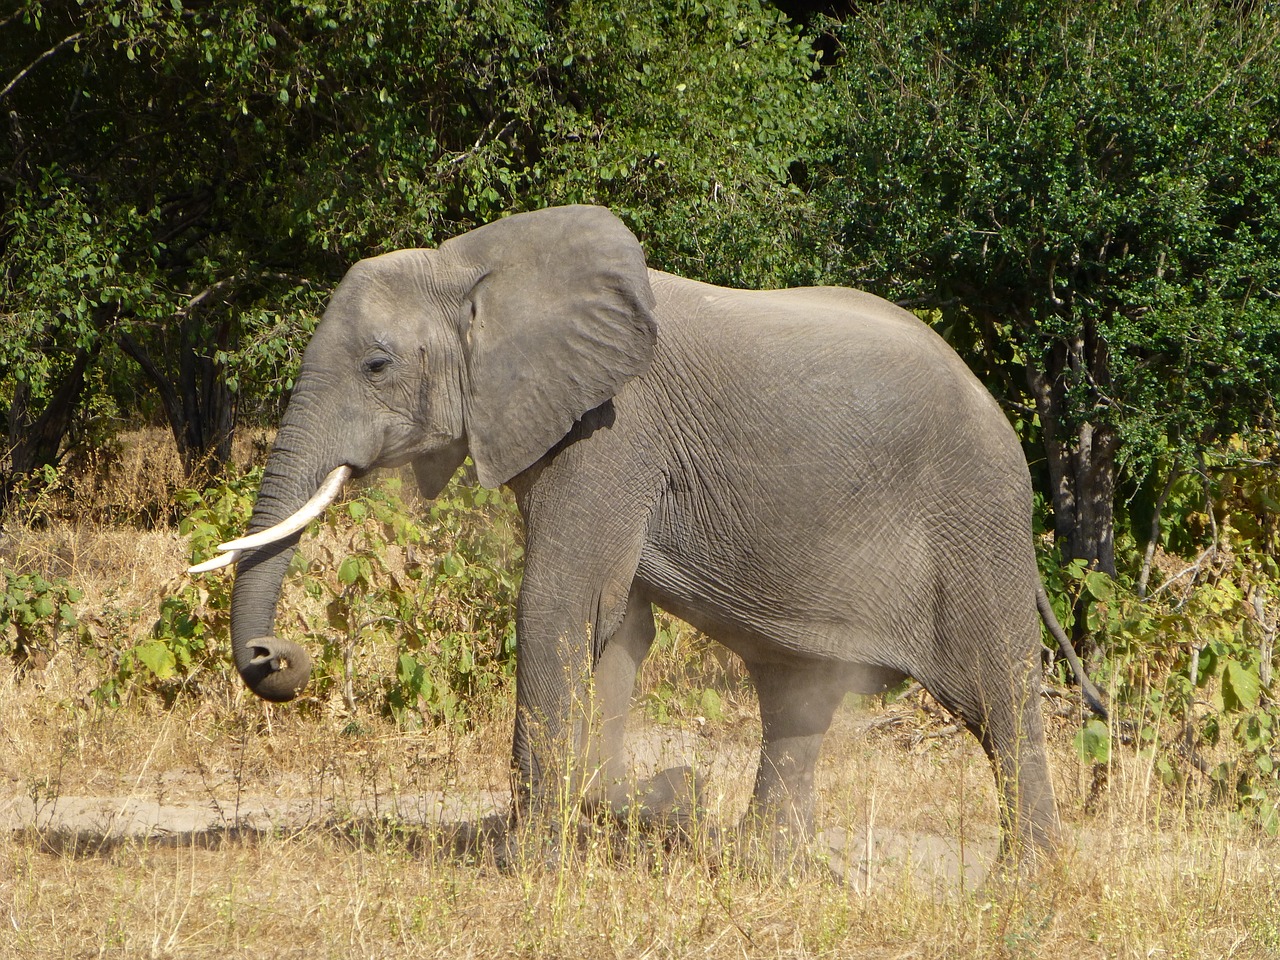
(232, 550)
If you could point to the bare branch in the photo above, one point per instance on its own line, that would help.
(1239, 68)
(207, 292)
(483, 140)
(67, 41)
(1268, 631)
(1153, 538)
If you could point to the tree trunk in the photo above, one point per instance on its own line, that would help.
(200, 408)
(1082, 476)
(1094, 478)
(34, 444)
(1082, 470)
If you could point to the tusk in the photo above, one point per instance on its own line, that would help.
(327, 493)
(225, 560)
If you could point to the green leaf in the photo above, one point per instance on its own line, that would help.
(1099, 585)
(336, 614)
(1093, 742)
(1269, 819)
(711, 705)
(349, 570)
(1241, 686)
(157, 658)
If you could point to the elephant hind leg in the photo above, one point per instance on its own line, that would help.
(796, 707)
(1006, 719)
(1014, 741)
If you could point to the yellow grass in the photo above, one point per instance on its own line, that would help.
(369, 873)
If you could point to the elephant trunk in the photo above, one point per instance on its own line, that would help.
(273, 668)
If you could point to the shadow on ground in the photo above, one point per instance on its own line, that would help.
(474, 827)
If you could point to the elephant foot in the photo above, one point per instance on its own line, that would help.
(660, 811)
(664, 809)
(1026, 862)
(667, 799)
(771, 851)
(539, 843)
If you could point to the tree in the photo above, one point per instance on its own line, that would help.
(697, 123)
(129, 223)
(182, 183)
(1088, 195)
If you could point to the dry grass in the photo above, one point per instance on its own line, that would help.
(1155, 874)
(1152, 878)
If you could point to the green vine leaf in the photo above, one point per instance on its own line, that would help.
(1241, 686)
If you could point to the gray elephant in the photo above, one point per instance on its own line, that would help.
(810, 476)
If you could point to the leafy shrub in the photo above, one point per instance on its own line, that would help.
(189, 638)
(34, 612)
(1191, 672)
(439, 595)
(411, 618)
(689, 677)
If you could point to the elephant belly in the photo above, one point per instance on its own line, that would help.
(815, 608)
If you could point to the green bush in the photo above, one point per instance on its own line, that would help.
(430, 603)
(1190, 671)
(34, 613)
(411, 618)
(189, 640)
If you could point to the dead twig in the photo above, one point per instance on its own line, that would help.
(66, 41)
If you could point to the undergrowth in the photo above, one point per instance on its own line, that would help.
(1190, 663)
(409, 617)
(409, 614)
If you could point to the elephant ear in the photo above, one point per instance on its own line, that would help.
(559, 318)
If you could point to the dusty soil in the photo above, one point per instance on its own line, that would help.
(180, 809)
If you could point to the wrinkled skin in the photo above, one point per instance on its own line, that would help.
(810, 476)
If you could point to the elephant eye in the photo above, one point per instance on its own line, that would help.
(376, 364)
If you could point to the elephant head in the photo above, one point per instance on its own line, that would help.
(494, 344)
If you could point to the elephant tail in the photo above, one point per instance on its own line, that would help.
(1092, 696)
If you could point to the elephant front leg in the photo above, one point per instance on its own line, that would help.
(602, 734)
(551, 682)
(796, 707)
(575, 669)
(577, 616)
(552, 689)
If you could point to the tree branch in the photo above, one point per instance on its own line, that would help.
(209, 291)
(1268, 634)
(168, 399)
(74, 38)
(927, 302)
(1144, 577)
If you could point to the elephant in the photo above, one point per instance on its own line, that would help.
(810, 476)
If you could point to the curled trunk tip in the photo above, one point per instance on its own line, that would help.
(274, 669)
